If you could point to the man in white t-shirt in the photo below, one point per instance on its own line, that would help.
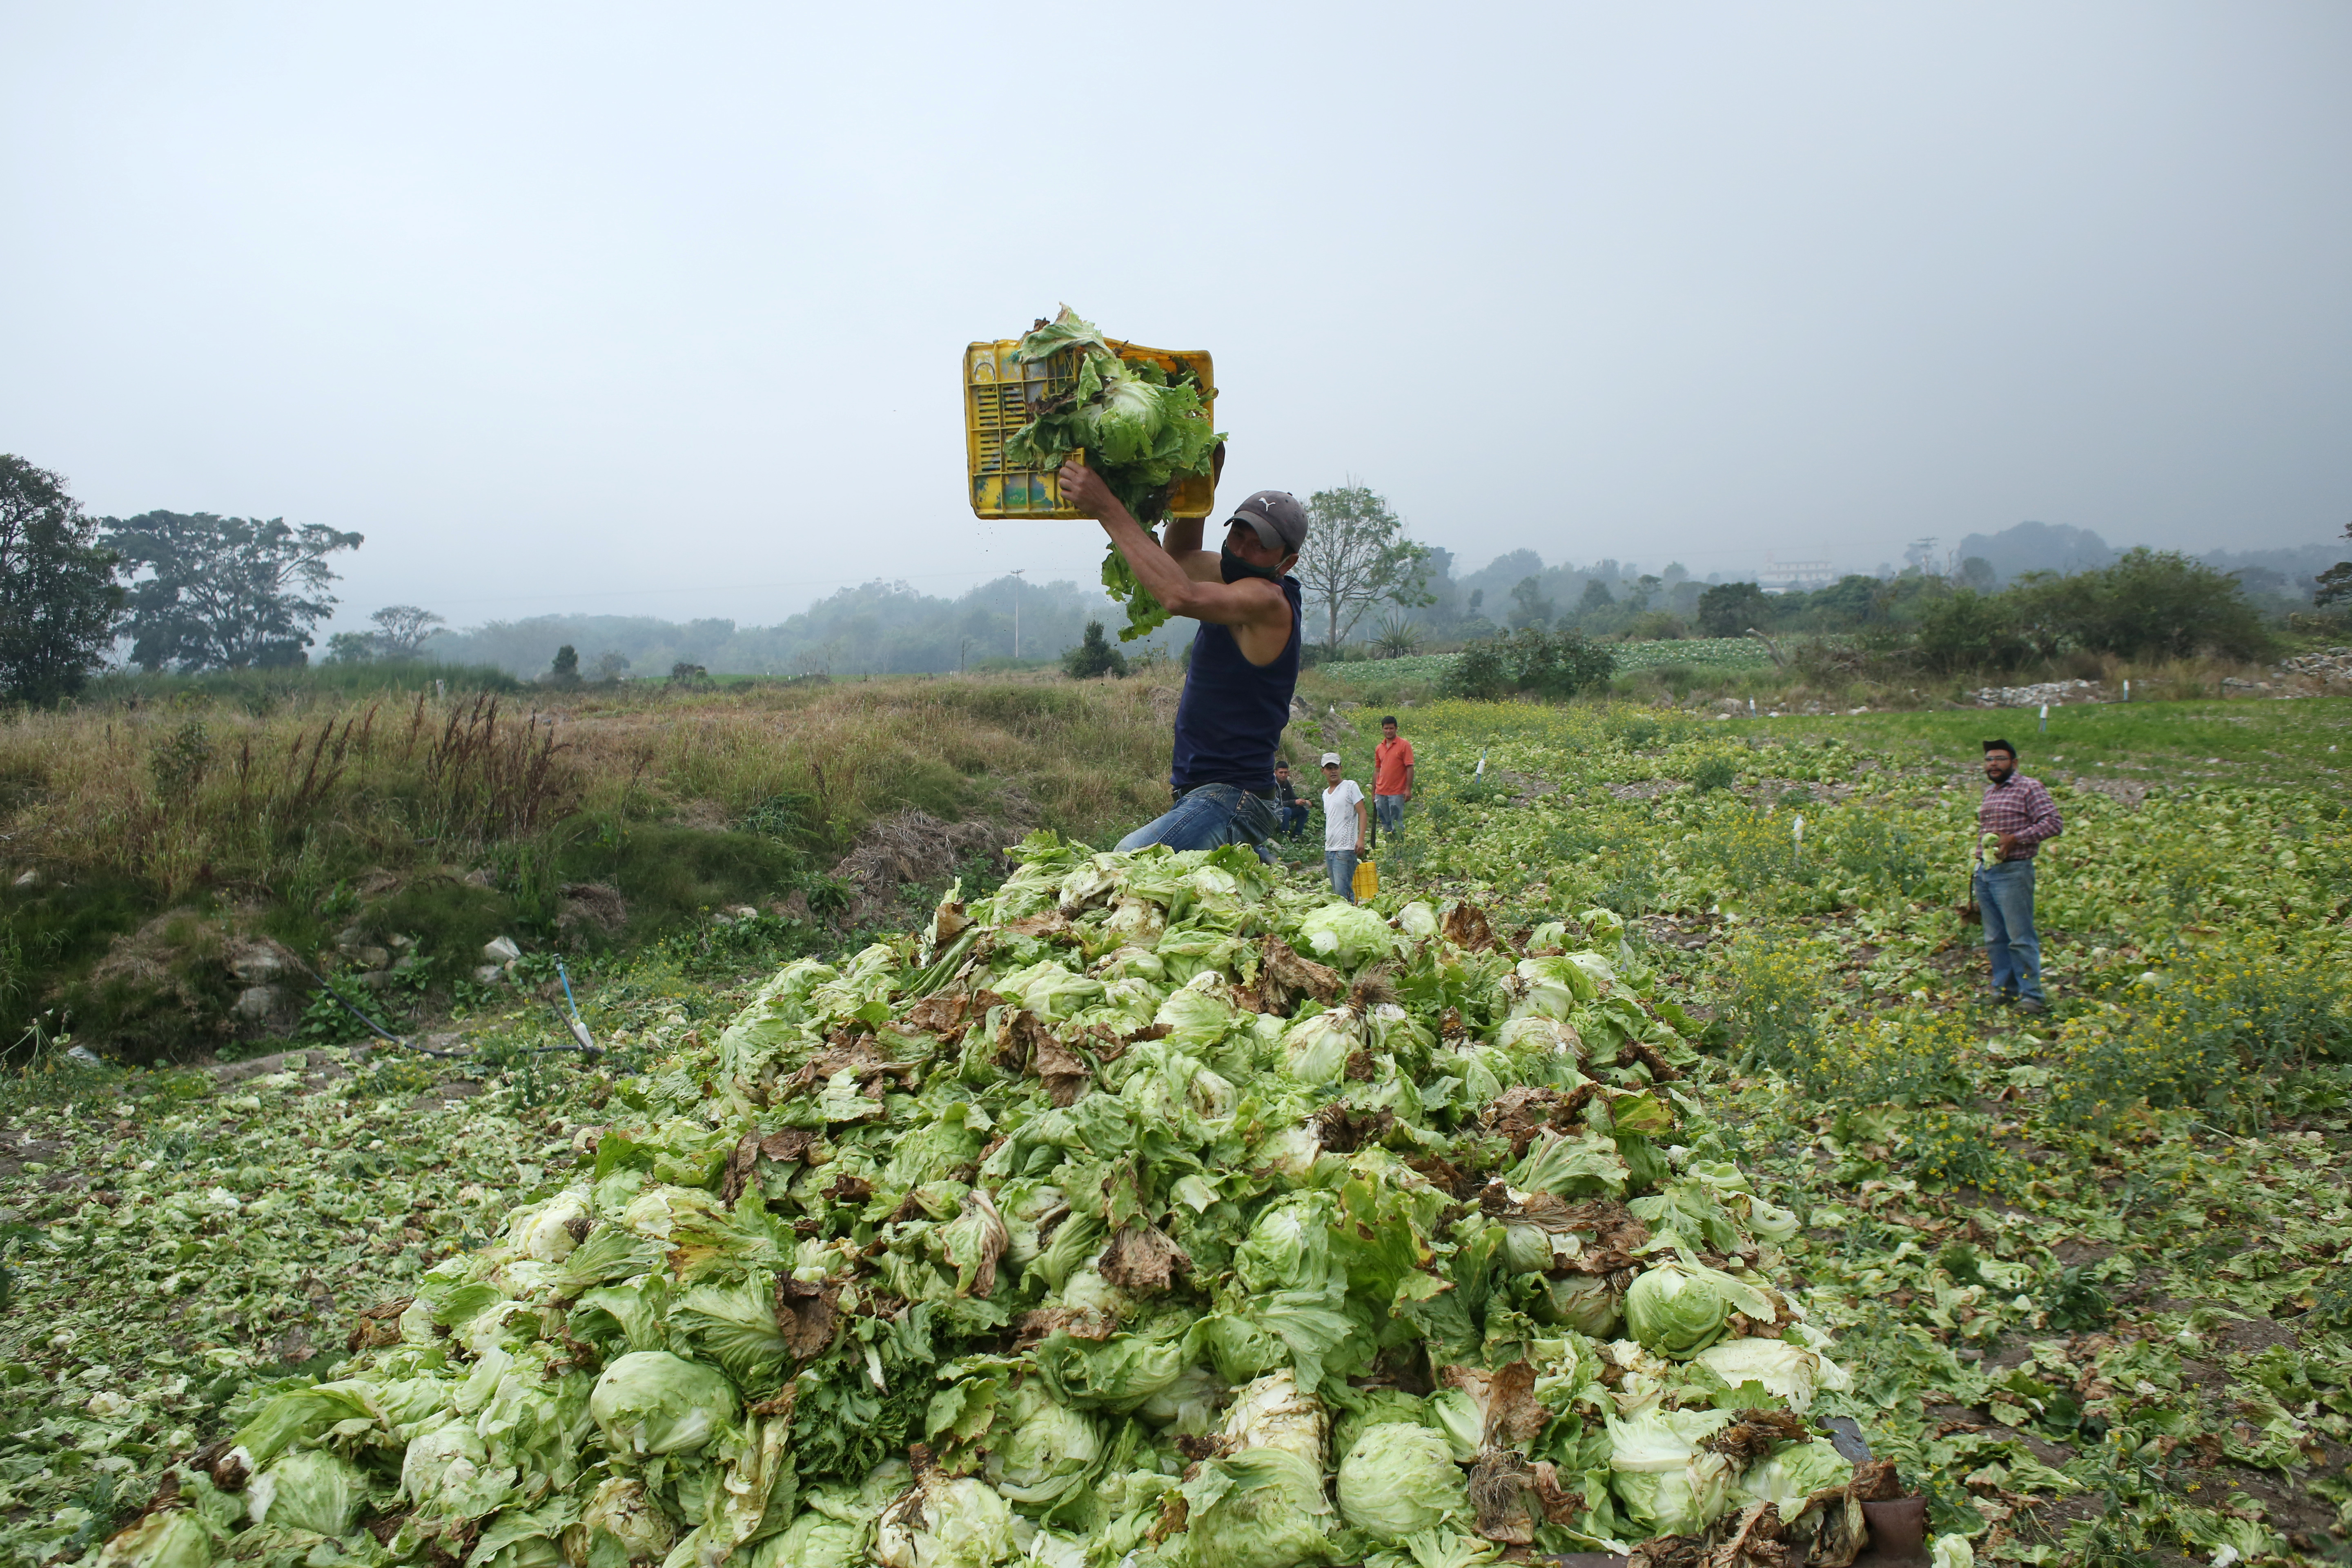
(1345, 819)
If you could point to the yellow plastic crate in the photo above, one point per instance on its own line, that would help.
(998, 392)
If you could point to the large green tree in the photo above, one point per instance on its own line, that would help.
(224, 593)
(1356, 555)
(58, 593)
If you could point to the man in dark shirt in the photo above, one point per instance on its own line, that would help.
(2019, 814)
(1290, 803)
(1244, 662)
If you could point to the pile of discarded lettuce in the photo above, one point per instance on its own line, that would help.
(1153, 1210)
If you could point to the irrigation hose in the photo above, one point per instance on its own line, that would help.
(578, 1031)
(327, 986)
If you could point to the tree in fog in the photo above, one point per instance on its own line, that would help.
(224, 593)
(401, 630)
(57, 591)
(1356, 555)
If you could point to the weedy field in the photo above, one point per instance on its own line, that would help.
(154, 834)
(2085, 1274)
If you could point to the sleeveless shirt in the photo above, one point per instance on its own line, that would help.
(1229, 722)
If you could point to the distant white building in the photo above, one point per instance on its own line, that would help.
(1794, 576)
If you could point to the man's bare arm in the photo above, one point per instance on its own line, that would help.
(1182, 537)
(1171, 580)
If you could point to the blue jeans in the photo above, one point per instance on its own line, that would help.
(2005, 892)
(1389, 809)
(1206, 817)
(1294, 820)
(1342, 865)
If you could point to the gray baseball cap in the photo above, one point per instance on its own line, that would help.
(1278, 519)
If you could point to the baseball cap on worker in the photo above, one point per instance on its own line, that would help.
(1276, 518)
(1330, 759)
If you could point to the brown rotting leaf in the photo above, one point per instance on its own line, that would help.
(805, 1312)
(1141, 1258)
(1464, 925)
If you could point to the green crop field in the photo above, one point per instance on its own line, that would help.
(1161, 1210)
(1704, 653)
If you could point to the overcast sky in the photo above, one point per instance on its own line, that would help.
(660, 308)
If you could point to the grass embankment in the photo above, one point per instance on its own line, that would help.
(148, 839)
(2088, 1269)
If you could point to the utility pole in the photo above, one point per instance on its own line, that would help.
(1017, 615)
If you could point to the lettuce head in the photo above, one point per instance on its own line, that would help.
(1794, 1473)
(651, 1402)
(310, 1489)
(1262, 1507)
(1399, 1480)
(1678, 1309)
(945, 1522)
(1271, 1413)
(1664, 1478)
(1049, 1451)
(1317, 1049)
(1346, 935)
(168, 1538)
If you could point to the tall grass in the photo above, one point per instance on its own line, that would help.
(200, 790)
(143, 837)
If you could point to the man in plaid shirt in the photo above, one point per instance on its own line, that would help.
(2021, 815)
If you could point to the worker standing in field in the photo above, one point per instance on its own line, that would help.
(2019, 815)
(1345, 822)
(1391, 774)
(1244, 662)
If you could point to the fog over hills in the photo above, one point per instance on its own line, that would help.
(886, 628)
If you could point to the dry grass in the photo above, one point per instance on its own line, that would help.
(187, 794)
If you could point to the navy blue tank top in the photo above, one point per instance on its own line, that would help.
(1231, 718)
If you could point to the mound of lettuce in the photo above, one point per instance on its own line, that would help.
(1137, 430)
(1151, 1208)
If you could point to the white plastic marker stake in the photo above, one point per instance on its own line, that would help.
(2045, 717)
(1798, 833)
(2126, 691)
(1481, 765)
(1752, 708)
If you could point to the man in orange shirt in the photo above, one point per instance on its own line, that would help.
(1391, 774)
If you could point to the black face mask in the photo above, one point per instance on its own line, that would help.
(1233, 567)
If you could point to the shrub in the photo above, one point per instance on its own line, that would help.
(1539, 663)
(1967, 630)
(1478, 673)
(1715, 771)
(2148, 605)
(1094, 656)
(1729, 609)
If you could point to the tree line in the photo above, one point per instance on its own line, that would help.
(192, 592)
(2146, 603)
